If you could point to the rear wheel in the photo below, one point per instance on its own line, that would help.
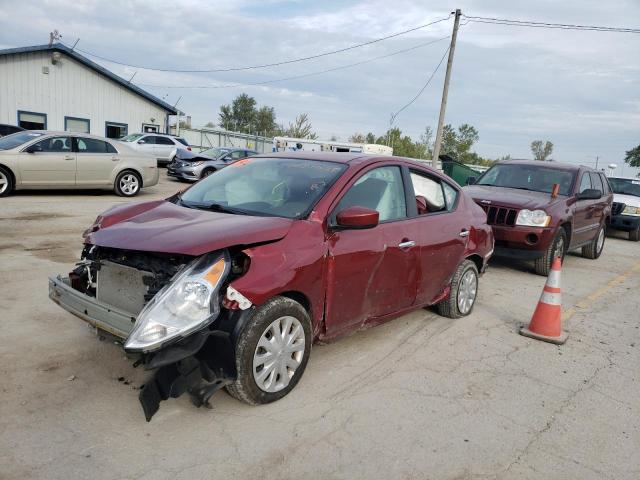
(272, 351)
(6, 182)
(634, 235)
(207, 171)
(594, 249)
(128, 183)
(557, 248)
(464, 290)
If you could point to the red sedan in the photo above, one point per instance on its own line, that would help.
(229, 283)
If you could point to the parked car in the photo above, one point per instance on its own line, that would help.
(540, 210)
(38, 159)
(230, 282)
(626, 206)
(161, 146)
(9, 129)
(194, 166)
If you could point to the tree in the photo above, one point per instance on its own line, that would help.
(301, 128)
(632, 157)
(265, 121)
(457, 144)
(209, 125)
(358, 138)
(541, 151)
(426, 138)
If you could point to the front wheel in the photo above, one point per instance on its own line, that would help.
(128, 184)
(594, 249)
(206, 172)
(464, 290)
(272, 351)
(6, 182)
(557, 248)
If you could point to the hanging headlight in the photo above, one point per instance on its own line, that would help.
(185, 305)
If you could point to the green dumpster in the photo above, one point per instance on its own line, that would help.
(458, 171)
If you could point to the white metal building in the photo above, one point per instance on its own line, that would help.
(56, 88)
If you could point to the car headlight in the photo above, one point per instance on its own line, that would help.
(196, 164)
(629, 210)
(185, 305)
(533, 218)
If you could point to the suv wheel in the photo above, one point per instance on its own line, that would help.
(6, 182)
(271, 352)
(464, 291)
(558, 248)
(594, 249)
(634, 235)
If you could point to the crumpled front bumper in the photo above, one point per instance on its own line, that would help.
(100, 315)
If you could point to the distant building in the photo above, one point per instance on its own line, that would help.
(56, 88)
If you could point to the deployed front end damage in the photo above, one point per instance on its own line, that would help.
(167, 310)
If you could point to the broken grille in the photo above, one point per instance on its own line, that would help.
(500, 215)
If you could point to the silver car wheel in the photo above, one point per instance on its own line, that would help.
(467, 290)
(129, 184)
(4, 182)
(600, 242)
(278, 354)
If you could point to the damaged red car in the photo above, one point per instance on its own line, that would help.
(229, 283)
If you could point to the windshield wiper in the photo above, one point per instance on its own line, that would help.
(218, 207)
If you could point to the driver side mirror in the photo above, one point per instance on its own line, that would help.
(471, 180)
(34, 149)
(357, 218)
(589, 194)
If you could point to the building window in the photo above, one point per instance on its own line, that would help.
(116, 130)
(150, 128)
(32, 120)
(78, 125)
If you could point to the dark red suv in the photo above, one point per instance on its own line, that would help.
(229, 283)
(540, 210)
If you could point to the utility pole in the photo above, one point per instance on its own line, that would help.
(597, 158)
(445, 90)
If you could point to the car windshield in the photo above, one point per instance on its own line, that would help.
(131, 138)
(528, 177)
(215, 152)
(280, 187)
(625, 186)
(16, 139)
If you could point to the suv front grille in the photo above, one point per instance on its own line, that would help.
(500, 215)
(617, 208)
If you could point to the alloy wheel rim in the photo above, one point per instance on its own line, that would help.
(4, 182)
(467, 291)
(278, 354)
(559, 250)
(600, 243)
(129, 184)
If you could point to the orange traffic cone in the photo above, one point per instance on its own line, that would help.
(546, 323)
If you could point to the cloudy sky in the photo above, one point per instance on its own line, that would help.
(579, 89)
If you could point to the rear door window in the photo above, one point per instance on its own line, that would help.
(163, 141)
(439, 195)
(92, 145)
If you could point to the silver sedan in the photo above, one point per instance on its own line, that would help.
(194, 166)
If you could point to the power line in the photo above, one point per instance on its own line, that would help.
(561, 26)
(295, 77)
(265, 65)
(395, 115)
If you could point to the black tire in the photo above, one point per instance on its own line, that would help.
(120, 185)
(543, 264)
(245, 388)
(6, 182)
(593, 250)
(634, 235)
(449, 307)
(206, 172)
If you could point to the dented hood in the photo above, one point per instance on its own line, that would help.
(162, 226)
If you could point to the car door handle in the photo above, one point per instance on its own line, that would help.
(464, 233)
(69, 157)
(407, 244)
(114, 159)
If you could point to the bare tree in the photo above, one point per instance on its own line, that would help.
(301, 128)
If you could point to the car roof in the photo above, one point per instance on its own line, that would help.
(554, 165)
(54, 132)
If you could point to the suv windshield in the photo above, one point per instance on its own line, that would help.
(528, 177)
(131, 138)
(216, 152)
(280, 187)
(625, 186)
(12, 141)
